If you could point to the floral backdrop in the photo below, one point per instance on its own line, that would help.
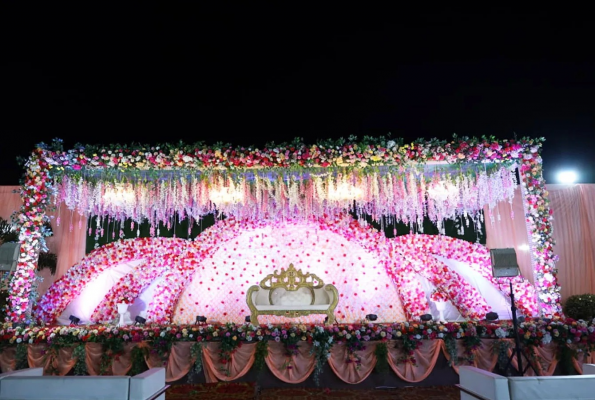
(376, 175)
(211, 274)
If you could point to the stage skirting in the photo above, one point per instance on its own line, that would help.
(351, 367)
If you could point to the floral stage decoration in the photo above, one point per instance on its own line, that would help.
(570, 336)
(211, 274)
(376, 176)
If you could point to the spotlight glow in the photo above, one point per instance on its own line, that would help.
(567, 177)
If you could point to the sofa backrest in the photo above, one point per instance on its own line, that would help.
(65, 387)
(580, 387)
(484, 383)
(321, 296)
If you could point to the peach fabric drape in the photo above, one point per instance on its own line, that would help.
(544, 360)
(290, 369)
(9, 201)
(8, 359)
(351, 372)
(574, 218)
(68, 241)
(509, 230)
(425, 357)
(179, 361)
(583, 358)
(241, 362)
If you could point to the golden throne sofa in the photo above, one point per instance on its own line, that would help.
(292, 294)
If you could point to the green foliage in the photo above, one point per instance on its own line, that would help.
(262, 351)
(79, 353)
(47, 260)
(196, 354)
(137, 355)
(381, 353)
(21, 357)
(3, 304)
(501, 347)
(566, 355)
(581, 306)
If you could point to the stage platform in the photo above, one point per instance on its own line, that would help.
(350, 355)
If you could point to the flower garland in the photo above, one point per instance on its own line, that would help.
(538, 332)
(539, 229)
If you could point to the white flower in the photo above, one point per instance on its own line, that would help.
(547, 338)
(191, 336)
(162, 334)
(390, 144)
(19, 340)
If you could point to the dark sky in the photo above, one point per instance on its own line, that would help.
(248, 75)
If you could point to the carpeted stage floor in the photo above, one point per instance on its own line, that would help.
(248, 390)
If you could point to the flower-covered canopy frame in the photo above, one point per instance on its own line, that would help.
(376, 176)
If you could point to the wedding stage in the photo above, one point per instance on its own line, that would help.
(295, 204)
(368, 354)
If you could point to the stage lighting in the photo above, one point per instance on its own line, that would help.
(504, 263)
(247, 319)
(492, 316)
(74, 320)
(201, 319)
(371, 317)
(139, 320)
(426, 317)
(567, 177)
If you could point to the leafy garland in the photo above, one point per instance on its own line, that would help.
(322, 340)
(138, 354)
(79, 353)
(21, 357)
(381, 353)
(260, 355)
(229, 344)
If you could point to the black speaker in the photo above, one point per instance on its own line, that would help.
(504, 263)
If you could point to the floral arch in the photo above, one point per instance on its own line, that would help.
(376, 176)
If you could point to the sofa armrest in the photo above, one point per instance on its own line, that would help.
(486, 384)
(144, 386)
(588, 369)
(23, 372)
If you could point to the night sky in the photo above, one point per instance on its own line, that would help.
(249, 75)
